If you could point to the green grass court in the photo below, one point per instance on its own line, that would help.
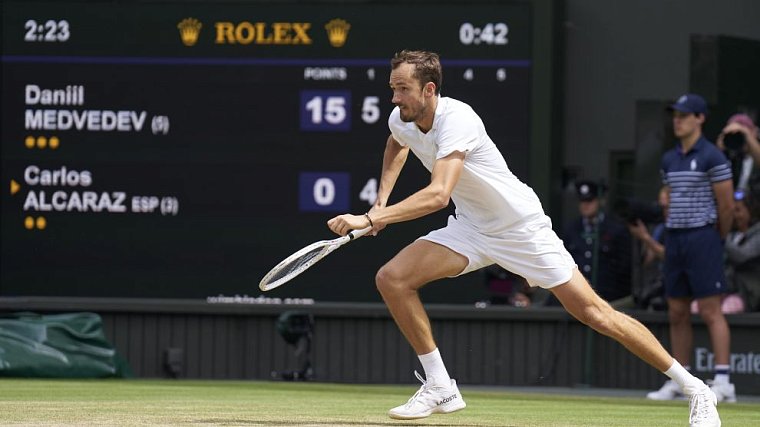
(256, 403)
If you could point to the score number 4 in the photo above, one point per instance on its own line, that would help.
(323, 110)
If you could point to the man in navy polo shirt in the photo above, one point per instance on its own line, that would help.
(697, 176)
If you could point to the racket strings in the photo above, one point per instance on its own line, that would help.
(305, 258)
(296, 265)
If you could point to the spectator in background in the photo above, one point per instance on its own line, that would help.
(743, 250)
(697, 177)
(653, 257)
(739, 140)
(600, 245)
(506, 288)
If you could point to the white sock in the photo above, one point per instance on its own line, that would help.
(721, 374)
(435, 370)
(681, 376)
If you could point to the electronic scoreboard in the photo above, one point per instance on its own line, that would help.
(180, 150)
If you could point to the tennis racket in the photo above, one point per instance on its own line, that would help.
(300, 261)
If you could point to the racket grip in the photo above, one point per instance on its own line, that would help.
(358, 233)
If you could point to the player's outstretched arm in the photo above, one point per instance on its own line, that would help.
(433, 197)
(394, 159)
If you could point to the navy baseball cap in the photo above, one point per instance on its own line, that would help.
(587, 190)
(690, 103)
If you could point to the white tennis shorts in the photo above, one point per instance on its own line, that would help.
(530, 249)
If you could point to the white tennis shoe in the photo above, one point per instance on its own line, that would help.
(703, 411)
(725, 392)
(429, 399)
(669, 391)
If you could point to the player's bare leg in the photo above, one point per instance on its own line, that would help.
(398, 282)
(585, 305)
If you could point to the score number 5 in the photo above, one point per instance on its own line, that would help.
(323, 110)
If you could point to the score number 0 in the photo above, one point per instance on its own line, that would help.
(329, 192)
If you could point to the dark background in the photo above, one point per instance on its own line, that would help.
(236, 147)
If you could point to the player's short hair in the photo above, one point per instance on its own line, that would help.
(427, 66)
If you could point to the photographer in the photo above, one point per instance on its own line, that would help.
(739, 141)
(743, 250)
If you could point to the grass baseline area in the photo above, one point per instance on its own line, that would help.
(264, 403)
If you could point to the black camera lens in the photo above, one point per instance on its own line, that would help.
(734, 141)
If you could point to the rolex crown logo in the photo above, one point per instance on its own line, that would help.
(189, 29)
(337, 32)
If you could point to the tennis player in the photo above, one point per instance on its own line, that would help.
(498, 219)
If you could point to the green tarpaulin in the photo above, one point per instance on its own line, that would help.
(68, 345)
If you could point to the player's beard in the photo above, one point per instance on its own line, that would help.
(409, 114)
(406, 116)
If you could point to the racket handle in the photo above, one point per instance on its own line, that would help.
(358, 233)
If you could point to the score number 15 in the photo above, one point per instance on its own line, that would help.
(329, 110)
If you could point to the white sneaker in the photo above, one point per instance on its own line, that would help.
(669, 391)
(429, 399)
(725, 392)
(702, 406)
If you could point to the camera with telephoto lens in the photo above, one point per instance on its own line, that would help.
(734, 143)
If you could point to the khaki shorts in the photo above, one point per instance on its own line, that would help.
(530, 249)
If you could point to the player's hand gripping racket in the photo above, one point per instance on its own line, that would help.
(297, 263)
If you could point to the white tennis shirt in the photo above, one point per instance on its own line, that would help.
(488, 195)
